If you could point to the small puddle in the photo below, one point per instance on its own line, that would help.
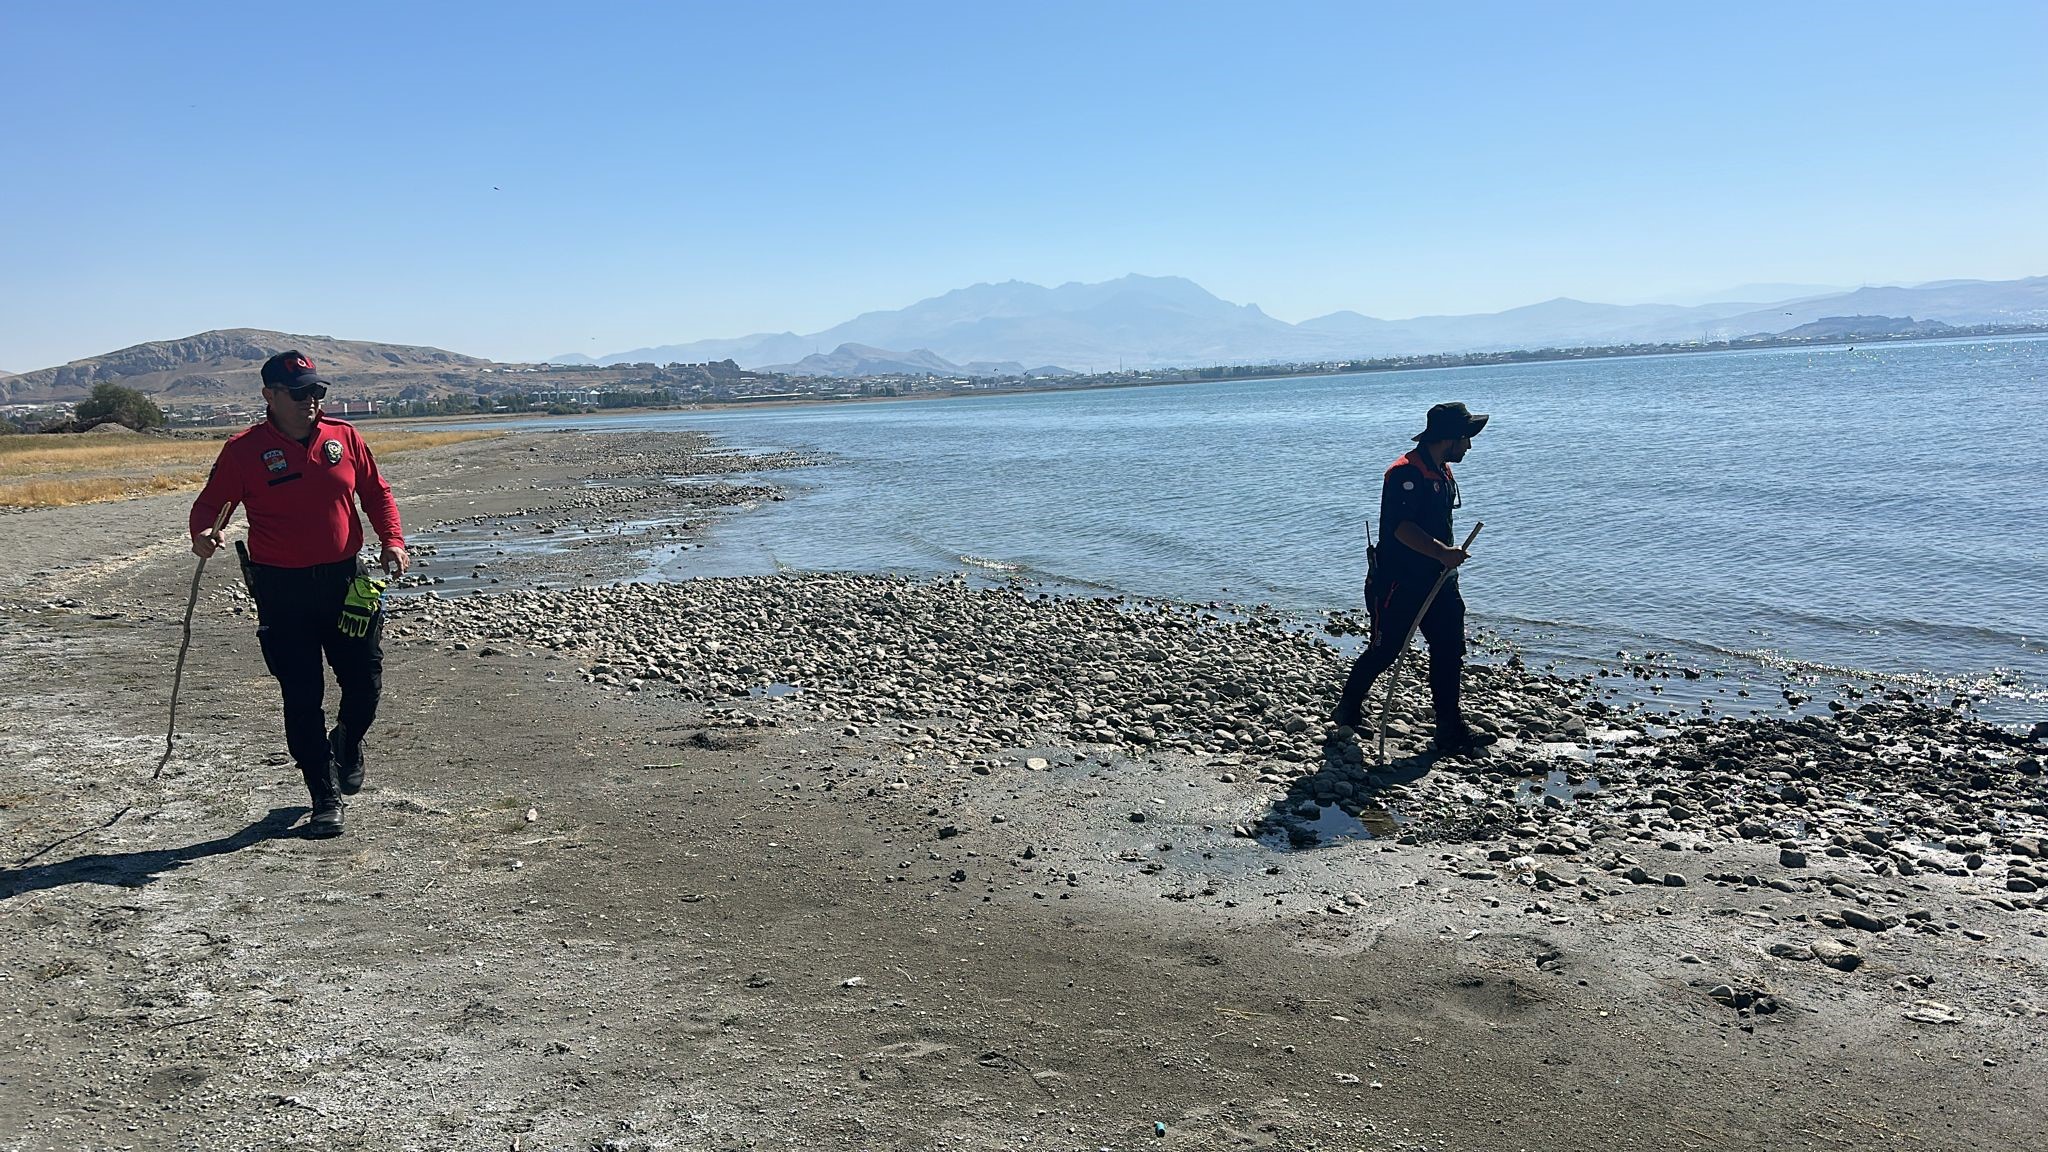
(1330, 825)
(772, 691)
(506, 552)
(459, 550)
(1556, 785)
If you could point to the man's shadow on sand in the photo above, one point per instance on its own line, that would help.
(1343, 799)
(136, 869)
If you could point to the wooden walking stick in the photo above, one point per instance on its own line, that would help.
(184, 646)
(1394, 673)
(177, 681)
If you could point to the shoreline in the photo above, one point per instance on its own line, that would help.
(1658, 670)
(1005, 870)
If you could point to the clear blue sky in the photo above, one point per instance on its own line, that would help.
(524, 179)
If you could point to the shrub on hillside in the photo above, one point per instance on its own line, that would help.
(124, 406)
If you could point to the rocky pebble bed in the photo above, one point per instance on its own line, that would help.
(619, 473)
(959, 674)
(654, 487)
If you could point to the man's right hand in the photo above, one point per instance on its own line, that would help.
(206, 543)
(1452, 557)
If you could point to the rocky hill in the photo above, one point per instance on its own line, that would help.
(851, 360)
(225, 363)
(1865, 327)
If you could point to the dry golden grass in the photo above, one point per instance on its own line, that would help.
(49, 471)
(393, 442)
(93, 489)
(41, 455)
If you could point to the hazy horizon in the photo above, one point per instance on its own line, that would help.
(1763, 294)
(607, 180)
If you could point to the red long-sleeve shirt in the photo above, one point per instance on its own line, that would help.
(300, 498)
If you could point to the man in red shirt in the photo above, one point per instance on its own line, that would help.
(297, 477)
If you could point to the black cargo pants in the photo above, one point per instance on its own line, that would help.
(1443, 627)
(298, 614)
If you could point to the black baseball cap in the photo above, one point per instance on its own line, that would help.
(291, 369)
(1451, 421)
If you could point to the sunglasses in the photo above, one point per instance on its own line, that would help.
(309, 392)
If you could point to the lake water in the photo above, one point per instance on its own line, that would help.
(1878, 508)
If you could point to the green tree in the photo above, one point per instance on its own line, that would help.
(125, 406)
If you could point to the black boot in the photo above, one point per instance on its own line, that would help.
(326, 795)
(1454, 737)
(1348, 714)
(348, 760)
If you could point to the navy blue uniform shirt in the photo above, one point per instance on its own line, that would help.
(1423, 494)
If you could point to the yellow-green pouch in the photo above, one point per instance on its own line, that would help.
(359, 607)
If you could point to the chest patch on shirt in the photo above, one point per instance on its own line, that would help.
(273, 460)
(332, 451)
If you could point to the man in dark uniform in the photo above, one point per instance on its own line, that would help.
(297, 476)
(1415, 547)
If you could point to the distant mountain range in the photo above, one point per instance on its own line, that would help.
(1167, 321)
(862, 360)
(1135, 322)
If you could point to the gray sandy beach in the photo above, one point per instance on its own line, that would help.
(826, 860)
